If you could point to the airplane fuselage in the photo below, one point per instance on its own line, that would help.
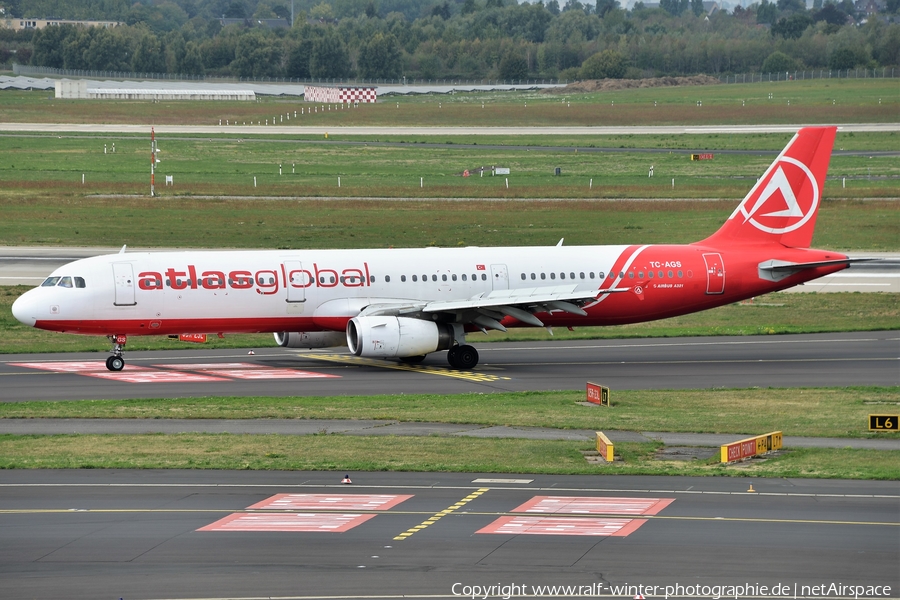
(321, 290)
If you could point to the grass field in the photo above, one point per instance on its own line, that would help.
(51, 168)
(817, 412)
(354, 454)
(811, 101)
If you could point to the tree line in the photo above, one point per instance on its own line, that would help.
(450, 39)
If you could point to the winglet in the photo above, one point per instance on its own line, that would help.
(783, 205)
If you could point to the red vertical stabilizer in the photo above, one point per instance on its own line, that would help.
(782, 206)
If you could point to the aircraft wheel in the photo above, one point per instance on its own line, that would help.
(115, 363)
(452, 353)
(466, 357)
(412, 360)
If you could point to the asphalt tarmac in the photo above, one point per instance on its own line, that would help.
(815, 360)
(137, 535)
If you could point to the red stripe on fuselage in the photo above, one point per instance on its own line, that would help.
(177, 326)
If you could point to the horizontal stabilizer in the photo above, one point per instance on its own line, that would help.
(776, 270)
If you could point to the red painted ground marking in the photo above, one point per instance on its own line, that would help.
(590, 526)
(594, 506)
(148, 376)
(79, 367)
(330, 502)
(326, 523)
(208, 366)
(270, 374)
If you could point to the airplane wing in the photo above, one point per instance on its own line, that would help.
(488, 308)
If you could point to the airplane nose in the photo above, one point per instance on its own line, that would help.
(23, 309)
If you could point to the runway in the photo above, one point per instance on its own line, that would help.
(207, 534)
(816, 360)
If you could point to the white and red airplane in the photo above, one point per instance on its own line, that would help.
(407, 303)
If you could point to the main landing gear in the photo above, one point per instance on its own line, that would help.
(462, 357)
(116, 362)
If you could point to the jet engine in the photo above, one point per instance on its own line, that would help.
(305, 339)
(396, 337)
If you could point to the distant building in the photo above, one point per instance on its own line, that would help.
(19, 24)
(78, 89)
(868, 8)
(266, 23)
(710, 7)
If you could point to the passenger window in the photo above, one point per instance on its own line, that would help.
(415, 278)
(434, 277)
(680, 274)
(562, 275)
(483, 277)
(650, 274)
(630, 274)
(50, 281)
(371, 279)
(621, 275)
(403, 278)
(543, 276)
(387, 278)
(79, 282)
(65, 282)
(552, 275)
(443, 278)
(523, 276)
(533, 276)
(600, 275)
(660, 273)
(424, 277)
(453, 277)
(640, 274)
(572, 275)
(591, 275)
(463, 276)
(671, 274)
(581, 275)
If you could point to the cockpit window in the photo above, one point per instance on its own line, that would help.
(50, 281)
(65, 282)
(79, 282)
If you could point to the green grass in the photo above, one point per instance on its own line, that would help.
(186, 222)
(811, 101)
(52, 167)
(817, 412)
(389, 453)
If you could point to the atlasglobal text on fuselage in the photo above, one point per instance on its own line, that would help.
(407, 303)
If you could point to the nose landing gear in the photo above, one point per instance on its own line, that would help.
(116, 362)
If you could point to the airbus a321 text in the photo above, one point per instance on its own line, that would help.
(407, 303)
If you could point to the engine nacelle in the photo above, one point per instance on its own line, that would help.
(396, 337)
(306, 339)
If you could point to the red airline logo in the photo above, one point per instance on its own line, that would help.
(266, 281)
(785, 200)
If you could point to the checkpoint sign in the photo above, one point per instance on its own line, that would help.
(884, 422)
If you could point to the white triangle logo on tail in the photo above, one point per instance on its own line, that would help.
(790, 211)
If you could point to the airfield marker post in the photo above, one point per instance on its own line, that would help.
(152, 163)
